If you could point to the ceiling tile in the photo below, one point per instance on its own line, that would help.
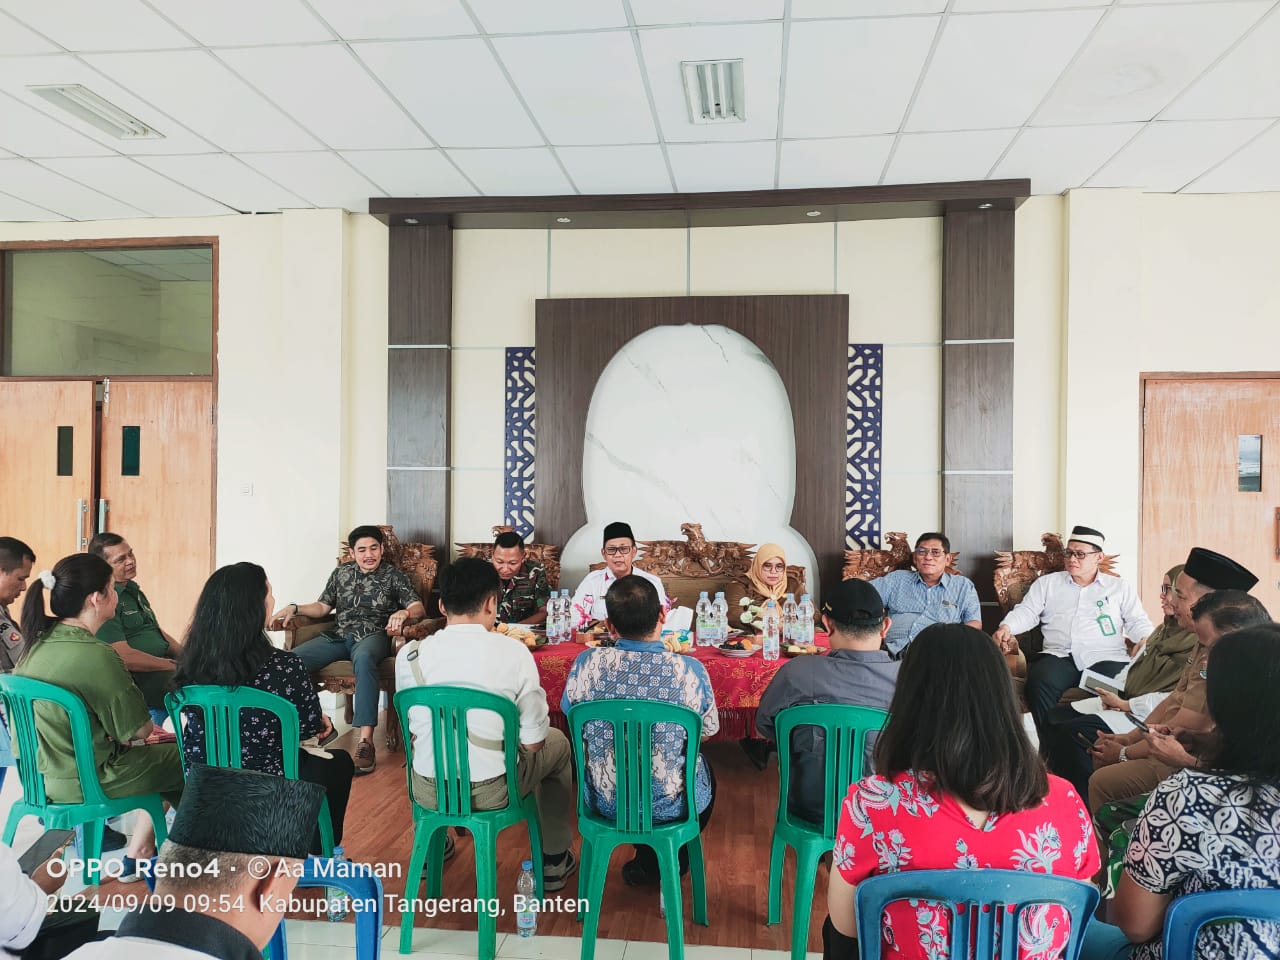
(722, 166)
(98, 25)
(993, 70)
(15, 39)
(513, 173)
(13, 210)
(16, 73)
(411, 173)
(1062, 158)
(27, 131)
(138, 186)
(322, 179)
(1141, 57)
(227, 180)
(1168, 155)
(581, 88)
(863, 8)
(547, 16)
(853, 77)
(1245, 83)
(759, 46)
(630, 169)
(943, 157)
(1255, 168)
(339, 102)
(705, 11)
(846, 162)
(37, 185)
(480, 110)
(393, 19)
(230, 22)
(991, 6)
(208, 98)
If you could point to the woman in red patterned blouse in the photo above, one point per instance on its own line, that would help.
(957, 785)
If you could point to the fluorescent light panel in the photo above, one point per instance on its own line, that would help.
(713, 90)
(84, 104)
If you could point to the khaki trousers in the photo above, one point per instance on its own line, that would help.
(548, 774)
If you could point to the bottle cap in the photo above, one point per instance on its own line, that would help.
(719, 594)
(703, 595)
(526, 865)
(804, 597)
(791, 596)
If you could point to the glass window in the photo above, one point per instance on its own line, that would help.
(1249, 464)
(109, 312)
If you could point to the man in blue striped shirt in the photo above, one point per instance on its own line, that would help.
(914, 599)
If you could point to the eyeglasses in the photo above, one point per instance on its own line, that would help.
(618, 551)
(1081, 554)
(1165, 589)
(930, 552)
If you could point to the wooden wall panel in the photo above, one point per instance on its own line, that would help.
(420, 293)
(418, 507)
(417, 408)
(806, 339)
(978, 509)
(977, 275)
(977, 398)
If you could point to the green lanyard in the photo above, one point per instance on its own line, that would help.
(1105, 624)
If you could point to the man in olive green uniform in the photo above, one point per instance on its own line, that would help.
(147, 651)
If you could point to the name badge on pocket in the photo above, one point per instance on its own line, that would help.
(1105, 624)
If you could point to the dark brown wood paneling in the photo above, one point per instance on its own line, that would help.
(805, 338)
(977, 398)
(418, 507)
(417, 407)
(979, 520)
(420, 291)
(977, 275)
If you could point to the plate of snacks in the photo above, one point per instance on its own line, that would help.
(518, 631)
(739, 647)
(677, 641)
(800, 649)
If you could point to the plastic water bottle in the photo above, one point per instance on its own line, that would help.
(339, 903)
(789, 619)
(702, 617)
(804, 620)
(772, 627)
(566, 617)
(526, 889)
(720, 610)
(553, 618)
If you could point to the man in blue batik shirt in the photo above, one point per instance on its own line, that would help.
(640, 668)
(914, 599)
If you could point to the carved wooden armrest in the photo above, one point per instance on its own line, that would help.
(301, 629)
(417, 629)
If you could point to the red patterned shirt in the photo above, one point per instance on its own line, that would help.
(891, 825)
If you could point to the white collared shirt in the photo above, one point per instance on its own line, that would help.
(24, 904)
(468, 655)
(588, 600)
(1069, 616)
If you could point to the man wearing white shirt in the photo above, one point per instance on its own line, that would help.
(1084, 616)
(619, 552)
(467, 654)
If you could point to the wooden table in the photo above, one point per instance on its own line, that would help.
(737, 682)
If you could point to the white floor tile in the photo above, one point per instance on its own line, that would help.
(758, 954)
(320, 933)
(659, 951)
(558, 948)
(320, 951)
(427, 940)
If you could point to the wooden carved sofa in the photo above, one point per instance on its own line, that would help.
(544, 553)
(417, 560)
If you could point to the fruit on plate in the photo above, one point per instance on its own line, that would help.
(741, 643)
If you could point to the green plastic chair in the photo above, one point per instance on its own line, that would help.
(220, 707)
(20, 695)
(633, 722)
(450, 752)
(845, 728)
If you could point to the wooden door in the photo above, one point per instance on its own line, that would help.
(47, 492)
(156, 477)
(1191, 492)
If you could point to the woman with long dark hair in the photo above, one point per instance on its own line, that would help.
(226, 645)
(1215, 827)
(63, 651)
(957, 785)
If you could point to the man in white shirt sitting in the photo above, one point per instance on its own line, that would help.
(467, 654)
(1084, 616)
(619, 552)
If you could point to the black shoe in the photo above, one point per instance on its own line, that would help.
(634, 874)
(113, 840)
(757, 751)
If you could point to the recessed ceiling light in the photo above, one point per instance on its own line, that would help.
(985, 206)
(564, 219)
(714, 91)
(84, 104)
(410, 221)
(814, 213)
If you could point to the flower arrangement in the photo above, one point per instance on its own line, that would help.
(753, 613)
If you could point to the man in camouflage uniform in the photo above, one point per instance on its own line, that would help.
(525, 590)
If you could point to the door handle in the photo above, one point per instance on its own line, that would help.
(103, 507)
(82, 507)
(1278, 533)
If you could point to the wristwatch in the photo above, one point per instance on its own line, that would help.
(295, 608)
(1124, 753)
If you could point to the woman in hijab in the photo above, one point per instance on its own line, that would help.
(766, 580)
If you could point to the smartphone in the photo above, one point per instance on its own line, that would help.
(1083, 740)
(1141, 725)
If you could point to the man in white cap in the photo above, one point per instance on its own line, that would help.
(1084, 615)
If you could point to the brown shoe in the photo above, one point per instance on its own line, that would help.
(366, 758)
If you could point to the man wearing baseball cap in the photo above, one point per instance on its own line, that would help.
(229, 865)
(857, 671)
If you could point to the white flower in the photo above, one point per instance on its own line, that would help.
(747, 618)
(744, 602)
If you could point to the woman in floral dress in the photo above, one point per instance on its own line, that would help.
(957, 785)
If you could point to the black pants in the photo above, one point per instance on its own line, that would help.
(1068, 757)
(836, 946)
(334, 774)
(648, 860)
(1049, 677)
(63, 932)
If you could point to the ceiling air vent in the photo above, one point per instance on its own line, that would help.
(713, 91)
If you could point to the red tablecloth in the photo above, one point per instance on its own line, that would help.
(737, 682)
